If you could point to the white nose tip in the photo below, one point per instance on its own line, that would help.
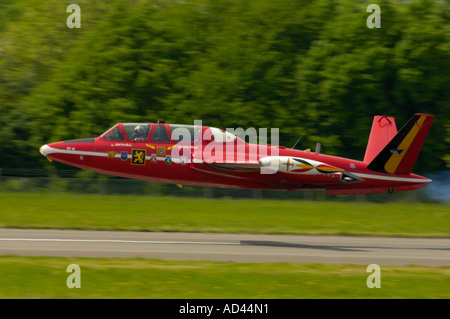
(44, 150)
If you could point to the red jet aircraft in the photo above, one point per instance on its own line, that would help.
(208, 156)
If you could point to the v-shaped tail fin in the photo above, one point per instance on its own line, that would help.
(400, 154)
(382, 132)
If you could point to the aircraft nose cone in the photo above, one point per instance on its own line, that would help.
(44, 149)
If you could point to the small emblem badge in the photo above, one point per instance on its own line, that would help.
(396, 151)
(161, 150)
(111, 154)
(138, 157)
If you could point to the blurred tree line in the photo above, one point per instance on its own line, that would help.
(294, 65)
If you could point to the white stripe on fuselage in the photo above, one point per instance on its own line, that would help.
(392, 178)
(46, 150)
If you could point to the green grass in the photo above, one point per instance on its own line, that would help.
(45, 277)
(42, 277)
(148, 213)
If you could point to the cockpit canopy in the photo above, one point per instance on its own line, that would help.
(133, 131)
(165, 133)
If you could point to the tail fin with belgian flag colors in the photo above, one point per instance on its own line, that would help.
(400, 154)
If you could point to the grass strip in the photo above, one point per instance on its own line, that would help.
(45, 277)
(149, 213)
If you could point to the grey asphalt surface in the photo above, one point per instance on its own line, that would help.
(226, 247)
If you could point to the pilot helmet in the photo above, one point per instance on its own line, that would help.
(138, 131)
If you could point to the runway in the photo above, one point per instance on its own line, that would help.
(252, 248)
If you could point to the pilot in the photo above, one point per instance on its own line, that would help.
(138, 133)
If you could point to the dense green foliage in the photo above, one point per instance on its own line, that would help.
(294, 65)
